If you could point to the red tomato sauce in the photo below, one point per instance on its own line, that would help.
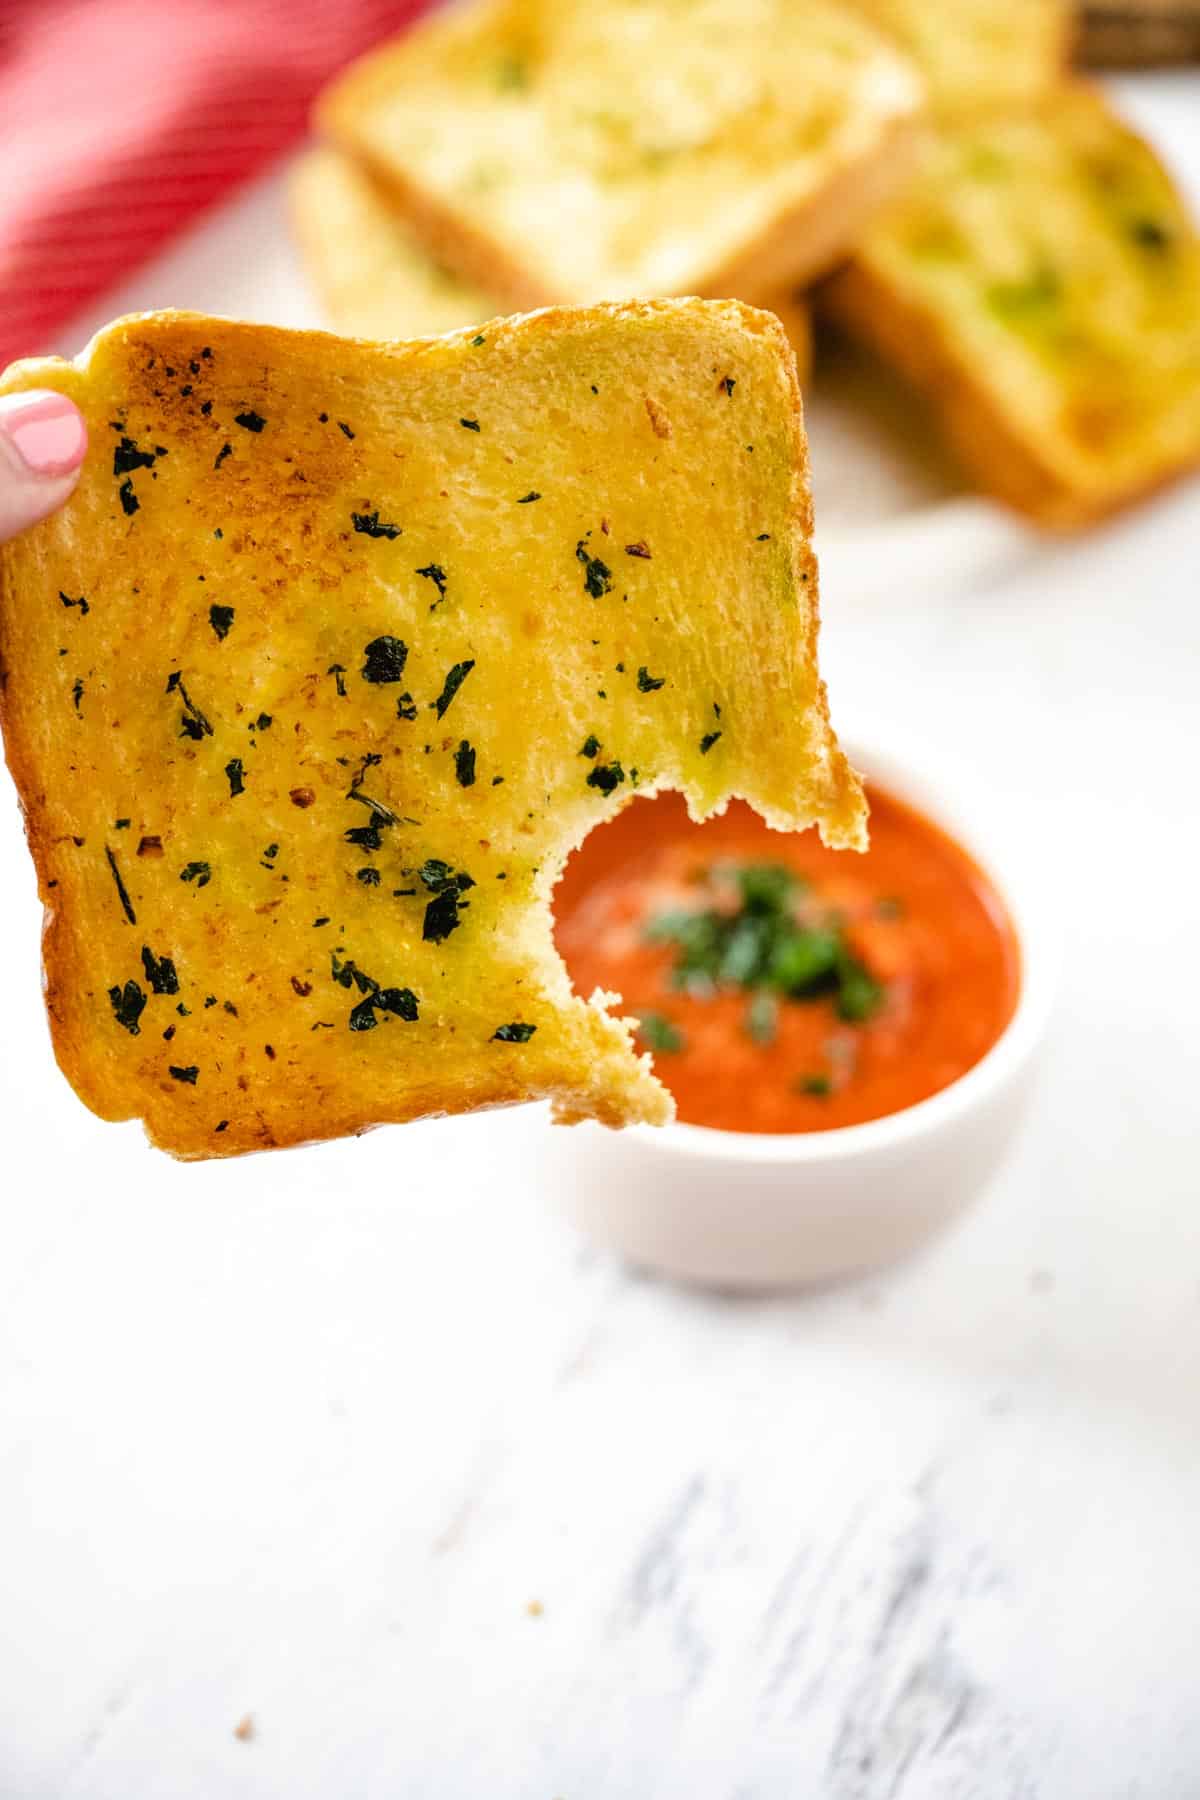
(914, 910)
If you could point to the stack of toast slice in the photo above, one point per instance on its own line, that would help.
(553, 151)
(1038, 281)
(993, 230)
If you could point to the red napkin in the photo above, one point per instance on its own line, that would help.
(120, 120)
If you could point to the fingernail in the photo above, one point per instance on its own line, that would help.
(46, 431)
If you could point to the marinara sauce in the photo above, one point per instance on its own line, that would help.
(716, 936)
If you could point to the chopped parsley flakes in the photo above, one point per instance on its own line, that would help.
(454, 680)
(597, 576)
(659, 1034)
(386, 657)
(370, 525)
(606, 777)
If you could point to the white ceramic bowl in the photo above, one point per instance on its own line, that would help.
(743, 1210)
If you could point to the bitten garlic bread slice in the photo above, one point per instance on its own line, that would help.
(556, 150)
(976, 54)
(376, 280)
(336, 652)
(1041, 283)
(374, 276)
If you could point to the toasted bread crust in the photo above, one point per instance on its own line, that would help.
(188, 769)
(1066, 421)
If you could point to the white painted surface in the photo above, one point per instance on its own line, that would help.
(303, 1436)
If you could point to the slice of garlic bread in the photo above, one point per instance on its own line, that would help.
(979, 54)
(373, 275)
(336, 652)
(1041, 283)
(556, 150)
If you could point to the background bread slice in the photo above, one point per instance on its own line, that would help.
(555, 150)
(374, 276)
(335, 653)
(979, 54)
(376, 280)
(1041, 283)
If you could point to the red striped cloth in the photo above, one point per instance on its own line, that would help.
(121, 119)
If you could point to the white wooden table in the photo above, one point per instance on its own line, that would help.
(361, 1443)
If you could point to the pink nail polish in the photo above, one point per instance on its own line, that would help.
(46, 431)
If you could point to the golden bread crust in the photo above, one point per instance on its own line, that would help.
(1040, 283)
(336, 652)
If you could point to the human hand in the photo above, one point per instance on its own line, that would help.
(43, 441)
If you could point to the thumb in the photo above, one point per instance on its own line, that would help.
(43, 440)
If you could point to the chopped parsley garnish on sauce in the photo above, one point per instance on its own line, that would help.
(659, 1034)
(221, 618)
(762, 938)
(516, 1033)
